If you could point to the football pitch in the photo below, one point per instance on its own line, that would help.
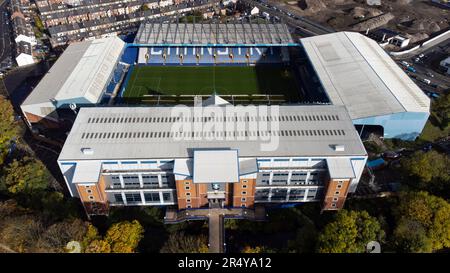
(205, 80)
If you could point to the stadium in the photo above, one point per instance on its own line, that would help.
(171, 63)
(212, 58)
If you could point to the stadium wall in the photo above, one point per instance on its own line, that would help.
(406, 125)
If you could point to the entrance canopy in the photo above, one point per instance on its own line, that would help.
(216, 166)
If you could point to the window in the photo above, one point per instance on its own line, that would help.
(244, 193)
(131, 181)
(187, 188)
(150, 181)
(167, 196)
(188, 200)
(244, 186)
(133, 197)
(243, 199)
(243, 205)
(336, 193)
(188, 194)
(244, 181)
(187, 183)
(91, 197)
(151, 196)
(333, 205)
(188, 206)
(339, 186)
(118, 197)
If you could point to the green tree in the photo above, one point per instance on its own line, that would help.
(26, 176)
(179, 242)
(410, 236)
(430, 212)
(427, 167)
(441, 109)
(9, 128)
(349, 233)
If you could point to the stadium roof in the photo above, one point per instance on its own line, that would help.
(193, 34)
(82, 71)
(356, 72)
(146, 132)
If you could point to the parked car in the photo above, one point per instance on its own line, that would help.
(421, 55)
(430, 74)
(427, 81)
(390, 155)
(405, 63)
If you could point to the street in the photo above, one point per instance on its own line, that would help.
(429, 65)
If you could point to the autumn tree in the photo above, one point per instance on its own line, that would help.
(9, 128)
(122, 237)
(349, 233)
(25, 176)
(427, 212)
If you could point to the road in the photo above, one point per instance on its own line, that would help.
(304, 26)
(429, 64)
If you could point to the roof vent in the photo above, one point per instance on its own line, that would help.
(339, 148)
(87, 151)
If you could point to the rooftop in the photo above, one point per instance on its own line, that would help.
(356, 72)
(152, 132)
(83, 70)
(213, 33)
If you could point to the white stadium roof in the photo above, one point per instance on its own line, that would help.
(146, 132)
(82, 72)
(356, 72)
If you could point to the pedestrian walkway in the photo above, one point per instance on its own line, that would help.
(215, 219)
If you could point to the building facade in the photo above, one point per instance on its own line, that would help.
(133, 156)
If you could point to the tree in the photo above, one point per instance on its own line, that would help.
(441, 109)
(430, 212)
(410, 236)
(180, 243)
(427, 167)
(349, 233)
(27, 176)
(122, 237)
(9, 128)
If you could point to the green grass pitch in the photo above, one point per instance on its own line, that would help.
(204, 80)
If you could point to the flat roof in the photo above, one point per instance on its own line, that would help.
(356, 72)
(215, 166)
(339, 167)
(147, 132)
(82, 71)
(213, 33)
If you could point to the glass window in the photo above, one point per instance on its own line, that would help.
(151, 196)
(279, 194)
(150, 181)
(296, 194)
(118, 197)
(167, 196)
(133, 197)
(262, 195)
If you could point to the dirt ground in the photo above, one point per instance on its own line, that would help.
(418, 18)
